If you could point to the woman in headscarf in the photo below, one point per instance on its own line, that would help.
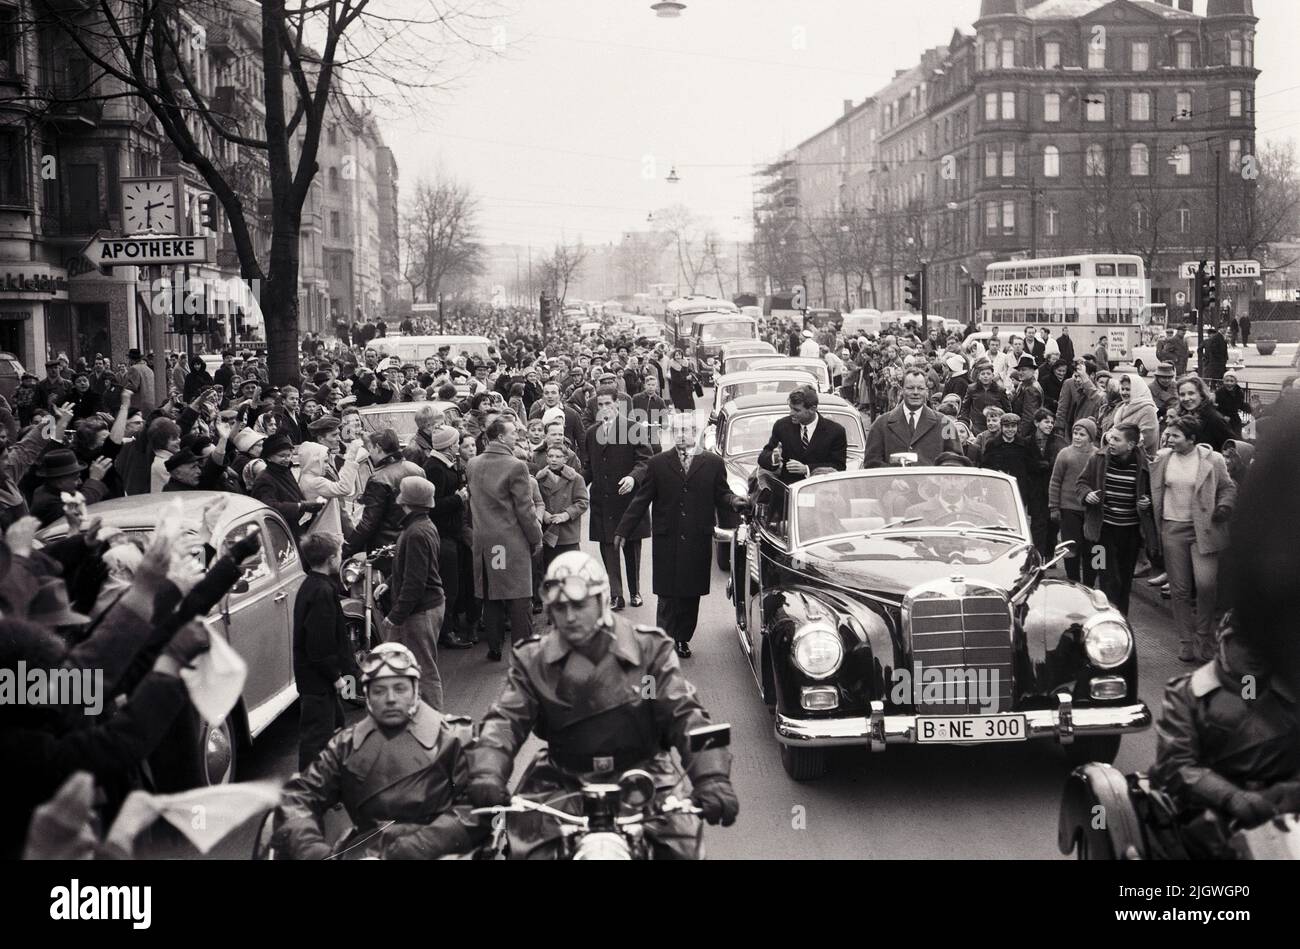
(198, 379)
(1137, 406)
(317, 479)
(1240, 456)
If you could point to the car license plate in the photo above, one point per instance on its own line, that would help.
(961, 729)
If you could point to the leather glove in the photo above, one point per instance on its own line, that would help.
(188, 643)
(242, 549)
(488, 792)
(1221, 513)
(717, 799)
(1250, 808)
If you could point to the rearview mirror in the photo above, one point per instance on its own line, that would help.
(707, 737)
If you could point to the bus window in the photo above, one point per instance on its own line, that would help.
(1128, 270)
(1073, 270)
(1105, 270)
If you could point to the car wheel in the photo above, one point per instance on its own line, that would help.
(803, 764)
(1088, 748)
(723, 556)
(1094, 845)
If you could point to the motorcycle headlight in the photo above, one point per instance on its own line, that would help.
(817, 650)
(1107, 641)
(351, 572)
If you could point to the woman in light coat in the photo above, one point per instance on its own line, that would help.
(565, 494)
(1137, 406)
(1192, 496)
(317, 479)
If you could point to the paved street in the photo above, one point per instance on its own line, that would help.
(979, 802)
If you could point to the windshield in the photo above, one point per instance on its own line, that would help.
(403, 423)
(722, 332)
(749, 433)
(762, 362)
(776, 384)
(854, 505)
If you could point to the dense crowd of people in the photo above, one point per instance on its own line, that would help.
(511, 450)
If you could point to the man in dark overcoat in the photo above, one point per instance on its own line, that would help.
(615, 451)
(688, 488)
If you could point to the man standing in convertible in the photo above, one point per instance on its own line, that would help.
(400, 774)
(607, 696)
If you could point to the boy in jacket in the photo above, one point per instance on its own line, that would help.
(322, 656)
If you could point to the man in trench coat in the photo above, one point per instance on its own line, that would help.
(616, 452)
(688, 488)
(507, 533)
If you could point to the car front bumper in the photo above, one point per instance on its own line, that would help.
(877, 730)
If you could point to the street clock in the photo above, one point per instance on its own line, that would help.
(151, 205)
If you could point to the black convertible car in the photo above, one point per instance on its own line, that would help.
(908, 606)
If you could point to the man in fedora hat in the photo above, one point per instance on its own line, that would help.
(1028, 396)
(1163, 389)
(418, 603)
(60, 473)
(184, 469)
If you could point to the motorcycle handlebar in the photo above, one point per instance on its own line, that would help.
(522, 805)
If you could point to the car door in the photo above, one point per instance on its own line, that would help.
(252, 621)
(289, 577)
(769, 531)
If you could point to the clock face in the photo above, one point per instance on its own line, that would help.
(149, 206)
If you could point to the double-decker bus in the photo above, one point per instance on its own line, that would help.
(1095, 295)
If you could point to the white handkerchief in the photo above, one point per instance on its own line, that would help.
(217, 680)
(204, 815)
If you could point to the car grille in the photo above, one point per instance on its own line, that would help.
(960, 636)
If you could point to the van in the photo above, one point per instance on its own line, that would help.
(862, 322)
(415, 349)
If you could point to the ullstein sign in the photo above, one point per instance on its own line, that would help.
(1231, 268)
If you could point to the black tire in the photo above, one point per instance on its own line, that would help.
(723, 556)
(262, 849)
(1088, 748)
(803, 764)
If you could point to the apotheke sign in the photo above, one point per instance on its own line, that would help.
(120, 251)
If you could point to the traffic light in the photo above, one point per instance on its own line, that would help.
(915, 284)
(1207, 288)
(208, 211)
(546, 309)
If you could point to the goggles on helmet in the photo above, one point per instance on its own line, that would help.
(573, 588)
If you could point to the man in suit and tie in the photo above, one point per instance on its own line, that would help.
(615, 451)
(806, 442)
(688, 488)
(912, 427)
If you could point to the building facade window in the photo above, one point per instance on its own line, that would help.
(1095, 104)
(1236, 50)
(1008, 105)
(1139, 106)
(1051, 162)
(1183, 54)
(1094, 165)
(1008, 54)
(991, 218)
(1008, 217)
(334, 224)
(1183, 107)
(1141, 219)
(1184, 220)
(1182, 161)
(1052, 220)
(334, 178)
(1234, 156)
(1139, 161)
(1234, 103)
(1052, 55)
(1097, 53)
(1052, 107)
(13, 169)
(1009, 161)
(990, 161)
(990, 106)
(990, 56)
(1140, 56)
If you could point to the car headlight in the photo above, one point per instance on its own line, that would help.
(817, 650)
(1107, 641)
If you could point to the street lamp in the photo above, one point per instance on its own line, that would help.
(668, 9)
(672, 178)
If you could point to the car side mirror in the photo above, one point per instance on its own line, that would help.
(241, 586)
(707, 737)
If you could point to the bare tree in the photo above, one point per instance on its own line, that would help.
(563, 267)
(311, 51)
(638, 259)
(441, 236)
(693, 243)
(1261, 201)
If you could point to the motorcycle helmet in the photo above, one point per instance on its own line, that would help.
(388, 660)
(574, 576)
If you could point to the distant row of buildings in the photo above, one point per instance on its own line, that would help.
(1056, 127)
(69, 134)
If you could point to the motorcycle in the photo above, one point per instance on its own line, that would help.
(367, 599)
(1141, 822)
(614, 816)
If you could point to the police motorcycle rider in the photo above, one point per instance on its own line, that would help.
(400, 773)
(607, 696)
(1228, 745)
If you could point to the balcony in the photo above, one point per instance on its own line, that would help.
(71, 107)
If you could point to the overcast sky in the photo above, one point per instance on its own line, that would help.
(557, 133)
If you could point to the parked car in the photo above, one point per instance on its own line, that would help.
(256, 617)
(854, 590)
(742, 429)
(400, 417)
